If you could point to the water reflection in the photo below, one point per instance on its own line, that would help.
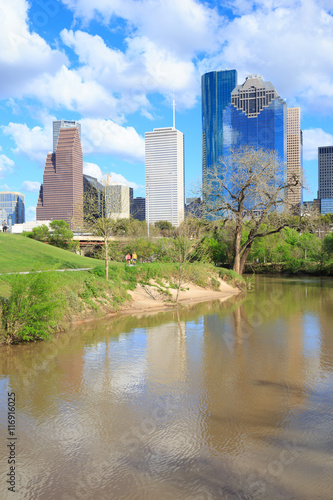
(224, 400)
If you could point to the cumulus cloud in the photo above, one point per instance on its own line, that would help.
(186, 28)
(106, 137)
(144, 68)
(288, 43)
(23, 55)
(94, 171)
(34, 143)
(312, 139)
(31, 186)
(6, 165)
(98, 137)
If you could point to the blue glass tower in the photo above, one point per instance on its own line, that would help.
(216, 88)
(12, 207)
(256, 117)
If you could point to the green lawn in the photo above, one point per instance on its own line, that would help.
(19, 253)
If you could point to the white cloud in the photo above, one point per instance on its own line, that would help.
(184, 27)
(312, 140)
(31, 186)
(6, 165)
(23, 55)
(288, 43)
(34, 143)
(106, 137)
(94, 171)
(98, 137)
(144, 68)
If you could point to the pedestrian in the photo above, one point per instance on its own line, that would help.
(134, 258)
(3, 226)
(128, 259)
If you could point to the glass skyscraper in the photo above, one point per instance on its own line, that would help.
(257, 117)
(12, 207)
(235, 116)
(216, 88)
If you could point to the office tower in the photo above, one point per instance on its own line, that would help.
(61, 194)
(93, 199)
(58, 124)
(257, 117)
(118, 199)
(164, 162)
(138, 208)
(216, 88)
(12, 207)
(325, 179)
(294, 157)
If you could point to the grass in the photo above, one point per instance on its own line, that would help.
(19, 253)
(34, 306)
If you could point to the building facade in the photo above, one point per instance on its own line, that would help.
(216, 88)
(12, 208)
(118, 200)
(58, 124)
(61, 194)
(93, 199)
(138, 208)
(294, 158)
(164, 162)
(256, 117)
(325, 179)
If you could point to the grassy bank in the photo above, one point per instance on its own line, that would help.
(34, 306)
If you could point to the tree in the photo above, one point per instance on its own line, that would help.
(39, 233)
(61, 234)
(248, 187)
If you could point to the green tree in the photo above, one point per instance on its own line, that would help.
(60, 234)
(248, 188)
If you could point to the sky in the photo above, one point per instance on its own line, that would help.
(113, 64)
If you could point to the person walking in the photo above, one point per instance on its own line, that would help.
(134, 258)
(128, 259)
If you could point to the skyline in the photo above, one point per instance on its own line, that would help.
(113, 67)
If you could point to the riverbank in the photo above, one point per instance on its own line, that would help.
(37, 305)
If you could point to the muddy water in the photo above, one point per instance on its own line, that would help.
(221, 401)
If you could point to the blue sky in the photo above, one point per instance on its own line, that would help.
(112, 65)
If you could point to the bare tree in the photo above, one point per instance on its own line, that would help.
(249, 187)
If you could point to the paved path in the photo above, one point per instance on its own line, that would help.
(50, 271)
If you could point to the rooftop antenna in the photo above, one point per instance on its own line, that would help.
(174, 107)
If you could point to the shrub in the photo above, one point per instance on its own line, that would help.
(33, 308)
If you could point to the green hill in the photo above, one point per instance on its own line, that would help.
(19, 253)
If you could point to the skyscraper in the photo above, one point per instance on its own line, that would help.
(294, 157)
(325, 179)
(118, 200)
(61, 194)
(12, 207)
(58, 124)
(257, 117)
(164, 162)
(216, 88)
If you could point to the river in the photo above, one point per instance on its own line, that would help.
(229, 400)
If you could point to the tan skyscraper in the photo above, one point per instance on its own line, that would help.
(61, 194)
(294, 156)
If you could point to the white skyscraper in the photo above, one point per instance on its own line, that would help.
(164, 160)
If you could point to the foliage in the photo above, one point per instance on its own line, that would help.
(328, 244)
(61, 235)
(32, 309)
(248, 188)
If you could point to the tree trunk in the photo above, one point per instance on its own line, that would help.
(237, 245)
(106, 260)
(244, 259)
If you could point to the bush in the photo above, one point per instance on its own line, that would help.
(33, 308)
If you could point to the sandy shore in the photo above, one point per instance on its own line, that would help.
(148, 299)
